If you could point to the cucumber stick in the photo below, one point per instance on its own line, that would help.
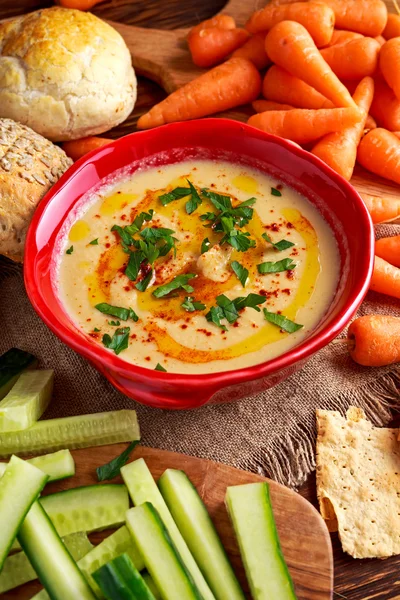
(72, 432)
(26, 401)
(151, 585)
(198, 531)
(17, 569)
(120, 580)
(250, 510)
(19, 488)
(160, 555)
(12, 363)
(58, 465)
(51, 560)
(142, 488)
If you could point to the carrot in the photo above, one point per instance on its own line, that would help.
(339, 149)
(379, 152)
(374, 340)
(317, 18)
(392, 28)
(211, 46)
(263, 105)
(75, 149)
(388, 248)
(382, 210)
(231, 84)
(389, 63)
(396, 133)
(385, 107)
(385, 278)
(353, 60)
(290, 46)
(380, 39)
(364, 16)
(370, 122)
(302, 125)
(341, 36)
(220, 21)
(281, 86)
(254, 50)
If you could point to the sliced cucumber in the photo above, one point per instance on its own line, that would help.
(199, 533)
(151, 585)
(26, 401)
(250, 509)
(58, 465)
(19, 488)
(120, 580)
(17, 569)
(111, 547)
(51, 560)
(12, 363)
(72, 432)
(160, 555)
(142, 488)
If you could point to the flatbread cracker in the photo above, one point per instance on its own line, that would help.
(358, 482)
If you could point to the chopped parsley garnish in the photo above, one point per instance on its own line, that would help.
(114, 323)
(119, 340)
(229, 309)
(176, 194)
(113, 468)
(282, 245)
(138, 221)
(94, 242)
(276, 267)
(70, 250)
(190, 304)
(281, 321)
(155, 234)
(134, 264)
(181, 281)
(143, 284)
(194, 201)
(117, 311)
(240, 272)
(250, 301)
(126, 238)
(159, 367)
(275, 192)
(96, 329)
(205, 245)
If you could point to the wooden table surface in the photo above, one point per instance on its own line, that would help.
(354, 579)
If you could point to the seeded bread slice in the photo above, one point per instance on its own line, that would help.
(29, 166)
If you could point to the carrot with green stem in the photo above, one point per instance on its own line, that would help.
(290, 46)
(374, 340)
(368, 17)
(280, 86)
(382, 210)
(254, 50)
(392, 28)
(212, 45)
(385, 106)
(75, 149)
(389, 63)
(379, 152)
(341, 36)
(303, 125)
(385, 278)
(339, 149)
(220, 21)
(388, 248)
(317, 18)
(353, 60)
(264, 105)
(231, 84)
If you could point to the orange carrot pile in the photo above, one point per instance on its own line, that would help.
(254, 50)
(368, 17)
(389, 63)
(263, 105)
(388, 248)
(385, 106)
(374, 340)
(75, 149)
(385, 278)
(220, 21)
(370, 122)
(280, 86)
(341, 36)
(212, 45)
(354, 59)
(382, 210)
(379, 152)
(392, 28)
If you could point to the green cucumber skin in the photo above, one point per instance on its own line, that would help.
(151, 585)
(17, 569)
(158, 551)
(20, 486)
(12, 363)
(250, 509)
(56, 569)
(142, 488)
(57, 466)
(120, 580)
(199, 533)
(85, 431)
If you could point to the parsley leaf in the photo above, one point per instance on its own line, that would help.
(250, 301)
(275, 192)
(229, 309)
(112, 468)
(70, 250)
(240, 272)
(96, 329)
(276, 267)
(194, 201)
(116, 311)
(282, 245)
(205, 245)
(179, 192)
(143, 284)
(181, 281)
(154, 234)
(238, 240)
(215, 315)
(126, 238)
(119, 340)
(220, 202)
(138, 221)
(159, 367)
(134, 264)
(114, 323)
(281, 321)
(94, 242)
(190, 305)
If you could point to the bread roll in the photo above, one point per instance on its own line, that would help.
(64, 73)
(29, 166)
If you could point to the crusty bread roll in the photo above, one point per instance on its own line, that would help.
(64, 73)
(29, 166)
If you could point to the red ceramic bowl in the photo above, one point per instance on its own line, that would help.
(338, 202)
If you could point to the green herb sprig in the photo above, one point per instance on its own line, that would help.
(285, 264)
(112, 469)
(282, 322)
(119, 340)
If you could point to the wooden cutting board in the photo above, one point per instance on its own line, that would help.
(304, 537)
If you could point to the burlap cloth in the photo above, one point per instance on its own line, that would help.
(272, 433)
